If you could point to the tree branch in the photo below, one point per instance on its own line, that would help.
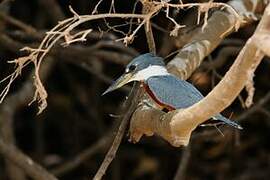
(176, 127)
(147, 7)
(130, 106)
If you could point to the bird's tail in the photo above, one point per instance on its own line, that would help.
(227, 121)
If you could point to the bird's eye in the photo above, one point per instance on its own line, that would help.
(131, 68)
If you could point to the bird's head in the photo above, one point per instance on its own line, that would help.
(140, 69)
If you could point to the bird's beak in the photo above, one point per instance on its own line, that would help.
(124, 79)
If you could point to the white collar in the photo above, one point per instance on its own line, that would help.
(152, 70)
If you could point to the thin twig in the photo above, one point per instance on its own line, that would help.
(148, 29)
(120, 133)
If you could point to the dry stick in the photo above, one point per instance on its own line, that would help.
(83, 156)
(134, 100)
(116, 142)
(100, 144)
(110, 155)
(84, 55)
(82, 19)
(150, 38)
(63, 29)
(148, 28)
(37, 55)
(122, 57)
(24, 162)
(113, 149)
(31, 33)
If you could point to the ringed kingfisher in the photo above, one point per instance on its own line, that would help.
(165, 89)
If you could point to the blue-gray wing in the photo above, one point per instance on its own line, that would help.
(174, 92)
(179, 94)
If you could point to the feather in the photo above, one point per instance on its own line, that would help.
(177, 93)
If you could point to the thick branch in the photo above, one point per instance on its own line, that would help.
(176, 127)
(225, 92)
(219, 98)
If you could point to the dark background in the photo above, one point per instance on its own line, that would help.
(77, 116)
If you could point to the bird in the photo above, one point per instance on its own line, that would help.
(164, 88)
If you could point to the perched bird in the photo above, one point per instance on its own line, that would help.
(164, 88)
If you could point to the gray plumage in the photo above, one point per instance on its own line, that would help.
(179, 94)
(167, 89)
(145, 60)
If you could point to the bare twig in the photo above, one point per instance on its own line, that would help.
(36, 55)
(64, 28)
(147, 7)
(114, 147)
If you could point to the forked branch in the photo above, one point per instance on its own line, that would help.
(176, 127)
(63, 30)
